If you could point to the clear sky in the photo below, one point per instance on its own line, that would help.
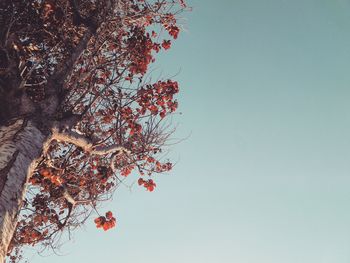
(264, 176)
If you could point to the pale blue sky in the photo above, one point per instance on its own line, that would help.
(264, 176)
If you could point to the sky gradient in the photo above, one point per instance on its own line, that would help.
(263, 176)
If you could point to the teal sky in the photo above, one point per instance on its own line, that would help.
(264, 176)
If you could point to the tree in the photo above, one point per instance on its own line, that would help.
(77, 110)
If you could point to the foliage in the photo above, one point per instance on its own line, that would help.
(86, 60)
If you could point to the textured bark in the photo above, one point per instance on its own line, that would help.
(20, 147)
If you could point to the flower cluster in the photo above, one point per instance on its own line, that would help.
(106, 222)
(148, 184)
(158, 98)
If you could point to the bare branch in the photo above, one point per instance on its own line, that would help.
(84, 143)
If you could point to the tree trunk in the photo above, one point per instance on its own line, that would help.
(21, 144)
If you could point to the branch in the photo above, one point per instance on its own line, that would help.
(78, 19)
(82, 142)
(65, 68)
(55, 85)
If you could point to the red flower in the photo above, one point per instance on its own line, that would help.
(173, 31)
(141, 181)
(166, 44)
(100, 221)
(149, 185)
(109, 215)
(107, 222)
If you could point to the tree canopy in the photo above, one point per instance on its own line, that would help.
(77, 70)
